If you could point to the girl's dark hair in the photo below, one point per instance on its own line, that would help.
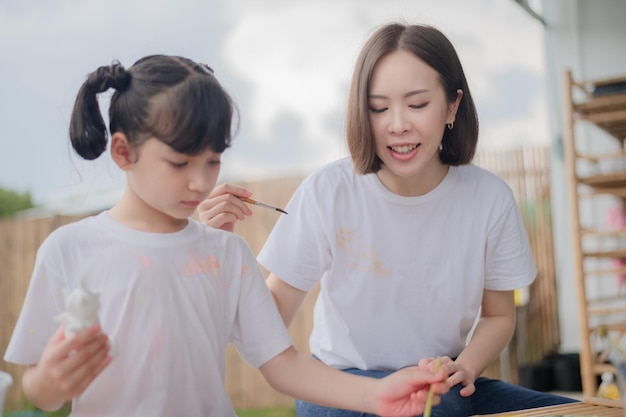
(432, 47)
(173, 99)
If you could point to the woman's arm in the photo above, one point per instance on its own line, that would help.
(492, 334)
(402, 393)
(288, 299)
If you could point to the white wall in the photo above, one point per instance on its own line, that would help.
(589, 38)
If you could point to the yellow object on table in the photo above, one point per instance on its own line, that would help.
(608, 387)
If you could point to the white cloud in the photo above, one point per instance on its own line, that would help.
(296, 58)
(520, 130)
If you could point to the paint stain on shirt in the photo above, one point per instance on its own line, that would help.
(360, 256)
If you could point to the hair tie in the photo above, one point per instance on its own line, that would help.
(111, 76)
(120, 78)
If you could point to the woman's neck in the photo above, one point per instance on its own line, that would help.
(416, 185)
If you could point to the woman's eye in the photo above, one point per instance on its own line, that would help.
(418, 106)
(373, 110)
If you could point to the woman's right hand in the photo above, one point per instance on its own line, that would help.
(66, 368)
(223, 207)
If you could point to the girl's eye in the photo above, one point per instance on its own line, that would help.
(373, 110)
(418, 106)
(178, 164)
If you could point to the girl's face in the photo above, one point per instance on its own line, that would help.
(166, 185)
(408, 114)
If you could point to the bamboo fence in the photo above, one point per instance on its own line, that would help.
(526, 171)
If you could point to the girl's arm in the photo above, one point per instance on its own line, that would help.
(491, 335)
(66, 368)
(288, 299)
(223, 208)
(402, 393)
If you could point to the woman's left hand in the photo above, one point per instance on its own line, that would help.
(457, 373)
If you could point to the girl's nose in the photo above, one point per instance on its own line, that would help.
(198, 182)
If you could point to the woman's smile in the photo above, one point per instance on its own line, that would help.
(403, 152)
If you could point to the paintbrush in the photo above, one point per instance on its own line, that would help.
(258, 203)
(431, 392)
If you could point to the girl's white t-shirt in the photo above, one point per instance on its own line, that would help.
(402, 278)
(171, 301)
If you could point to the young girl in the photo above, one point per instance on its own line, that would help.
(409, 240)
(173, 292)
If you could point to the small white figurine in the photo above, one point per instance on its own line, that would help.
(82, 312)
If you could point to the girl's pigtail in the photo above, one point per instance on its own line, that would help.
(88, 132)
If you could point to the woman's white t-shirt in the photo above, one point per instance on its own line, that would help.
(402, 278)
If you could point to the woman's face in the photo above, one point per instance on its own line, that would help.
(408, 114)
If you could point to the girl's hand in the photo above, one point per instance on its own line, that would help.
(404, 393)
(457, 373)
(66, 367)
(222, 208)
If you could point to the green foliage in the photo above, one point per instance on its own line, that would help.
(63, 412)
(31, 411)
(11, 202)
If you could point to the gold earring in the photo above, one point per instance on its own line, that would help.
(450, 125)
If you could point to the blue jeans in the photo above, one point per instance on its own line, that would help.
(491, 396)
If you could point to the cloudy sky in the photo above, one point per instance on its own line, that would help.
(286, 63)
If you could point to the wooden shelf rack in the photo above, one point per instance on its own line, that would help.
(599, 103)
